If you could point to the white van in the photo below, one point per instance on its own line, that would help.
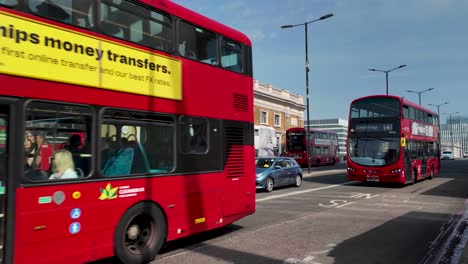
(465, 154)
(447, 155)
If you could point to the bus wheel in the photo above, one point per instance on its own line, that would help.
(431, 175)
(333, 161)
(318, 163)
(298, 181)
(140, 234)
(269, 184)
(415, 176)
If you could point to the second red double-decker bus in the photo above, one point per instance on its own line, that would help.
(115, 136)
(323, 146)
(391, 140)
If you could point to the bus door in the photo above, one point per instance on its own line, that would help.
(424, 160)
(5, 143)
(407, 160)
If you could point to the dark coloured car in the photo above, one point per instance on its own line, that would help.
(277, 171)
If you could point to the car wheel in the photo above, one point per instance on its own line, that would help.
(298, 181)
(269, 184)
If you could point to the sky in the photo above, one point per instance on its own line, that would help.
(429, 36)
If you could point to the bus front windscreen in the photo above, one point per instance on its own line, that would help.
(295, 141)
(374, 151)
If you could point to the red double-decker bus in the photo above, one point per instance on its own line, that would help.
(116, 136)
(392, 140)
(323, 146)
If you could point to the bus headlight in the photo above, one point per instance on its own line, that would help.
(351, 169)
(396, 171)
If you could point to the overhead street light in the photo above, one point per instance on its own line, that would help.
(307, 79)
(438, 111)
(451, 130)
(420, 92)
(386, 73)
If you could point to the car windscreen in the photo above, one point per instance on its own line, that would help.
(264, 163)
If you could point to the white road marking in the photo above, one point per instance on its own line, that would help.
(295, 193)
(301, 192)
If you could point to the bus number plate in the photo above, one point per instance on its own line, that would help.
(372, 178)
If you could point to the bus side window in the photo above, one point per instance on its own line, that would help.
(9, 3)
(51, 123)
(194, 135)
(136, 143)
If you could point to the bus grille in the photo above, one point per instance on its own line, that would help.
(234, 151)
(241, 102)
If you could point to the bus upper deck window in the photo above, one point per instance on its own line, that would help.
(55, 10)
(9, 3)
(231, 56)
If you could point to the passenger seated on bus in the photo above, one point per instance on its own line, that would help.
(106, 151)
(30, 154)
(62, 166)
(44, 151)
(51, 10)
(74, 144)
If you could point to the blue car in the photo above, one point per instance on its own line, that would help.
(277, 171)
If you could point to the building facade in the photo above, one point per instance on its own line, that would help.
(277, 108)
(338, 125)
(454, 135)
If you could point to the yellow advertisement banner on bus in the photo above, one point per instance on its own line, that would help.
(42, 51)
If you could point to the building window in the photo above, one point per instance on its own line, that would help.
(277, 120)
(293, 121)
(263, 118)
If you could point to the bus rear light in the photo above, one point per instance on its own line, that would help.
(396, 171)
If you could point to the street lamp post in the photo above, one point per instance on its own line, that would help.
(438, 112)
(307, 80)
(420, 92)
(451, 130)
(386, 73)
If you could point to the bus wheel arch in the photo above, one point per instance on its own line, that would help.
(140, 233)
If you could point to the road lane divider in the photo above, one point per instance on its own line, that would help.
(296, 193)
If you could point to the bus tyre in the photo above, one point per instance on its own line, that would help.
(415, 176)
(140, 234)
(269, 184)
(298, 181)
(431, 175)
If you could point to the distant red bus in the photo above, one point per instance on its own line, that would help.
(392, 140)
(128, 142)
(323, 146)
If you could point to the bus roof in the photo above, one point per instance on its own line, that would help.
(403, 101)
(292, 129)
(198, 19)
